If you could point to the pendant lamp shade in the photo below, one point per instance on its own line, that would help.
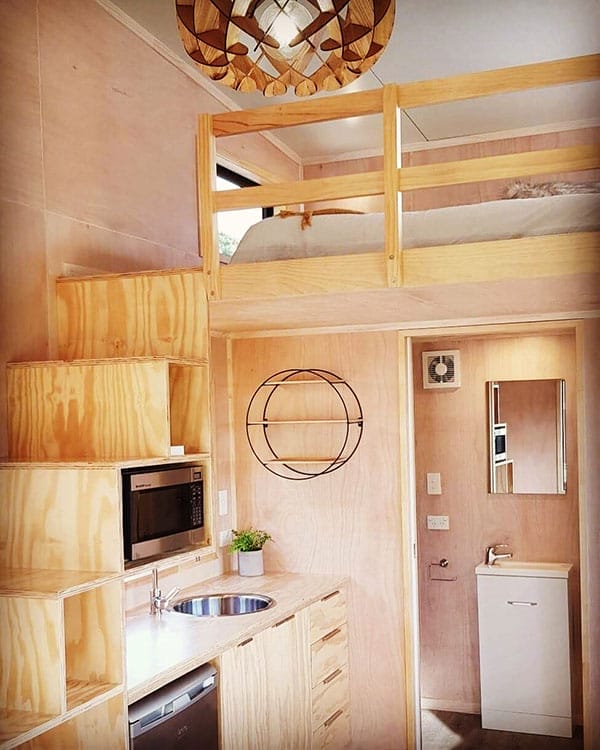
(270, 45)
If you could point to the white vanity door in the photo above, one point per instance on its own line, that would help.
(524, 645)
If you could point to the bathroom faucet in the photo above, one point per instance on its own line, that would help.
(158, 603)
(491, 556)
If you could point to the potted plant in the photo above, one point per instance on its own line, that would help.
(249, 543)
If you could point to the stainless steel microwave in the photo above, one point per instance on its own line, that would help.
(163, 509)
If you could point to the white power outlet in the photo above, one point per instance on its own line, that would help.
(438, 523)
(434, 484)
(225, 538)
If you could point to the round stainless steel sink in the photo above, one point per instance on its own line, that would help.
(223, 605)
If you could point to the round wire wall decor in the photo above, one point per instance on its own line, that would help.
(304, 423)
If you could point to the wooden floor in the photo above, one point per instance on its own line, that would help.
(445, 730)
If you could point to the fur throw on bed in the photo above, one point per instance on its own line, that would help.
(542, 189)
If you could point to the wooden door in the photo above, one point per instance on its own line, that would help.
(265, 689)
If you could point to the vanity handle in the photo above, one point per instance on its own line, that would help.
(328, 722)
(522, 604)
(331, 635)
(245, 643)
(330, 596)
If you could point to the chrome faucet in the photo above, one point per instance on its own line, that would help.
(491, 556)
(158, 603)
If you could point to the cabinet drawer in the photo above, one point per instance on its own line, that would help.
(334, 733)
(329, 653)
(327, 614)
(329, 695)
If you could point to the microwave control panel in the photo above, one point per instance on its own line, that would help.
(196, 504)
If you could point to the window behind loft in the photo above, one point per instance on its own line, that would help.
(232, 225)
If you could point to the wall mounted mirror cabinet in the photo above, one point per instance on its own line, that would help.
(526, 429)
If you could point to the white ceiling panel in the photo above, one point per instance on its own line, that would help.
(437, 38)
(551, 106)
(358, 136)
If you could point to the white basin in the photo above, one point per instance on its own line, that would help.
(522, 568)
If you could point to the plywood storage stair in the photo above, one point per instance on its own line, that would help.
(133, 381)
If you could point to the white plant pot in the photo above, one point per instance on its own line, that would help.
(251, 563)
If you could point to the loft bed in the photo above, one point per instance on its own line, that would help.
(394, 253)
(309, 234)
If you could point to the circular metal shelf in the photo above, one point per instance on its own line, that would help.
(261, 430)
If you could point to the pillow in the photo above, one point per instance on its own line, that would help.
(520, 189)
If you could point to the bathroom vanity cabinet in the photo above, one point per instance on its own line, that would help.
(524, 647)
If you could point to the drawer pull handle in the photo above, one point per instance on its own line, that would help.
(331, 635)
(332, 676)
(282, 622)
(245, 643)
(330, 596)
(328, 722)
(522, 604)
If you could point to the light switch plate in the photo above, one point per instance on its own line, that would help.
(434, 483)
(438, 523)
(223, 502)
(225, 538)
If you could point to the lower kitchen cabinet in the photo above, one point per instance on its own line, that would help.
(287, 687)
(98, 728)
(334, 732)
(330, 691)
(265, 696)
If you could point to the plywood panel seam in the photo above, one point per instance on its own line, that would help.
(118, 232)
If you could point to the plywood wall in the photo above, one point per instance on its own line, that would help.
(97, 156)
(345, 522)
(451, 438)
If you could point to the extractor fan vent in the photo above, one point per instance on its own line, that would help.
(441, 369)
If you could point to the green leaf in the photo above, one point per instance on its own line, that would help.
(248, 540)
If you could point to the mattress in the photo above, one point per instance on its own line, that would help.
(340, 234)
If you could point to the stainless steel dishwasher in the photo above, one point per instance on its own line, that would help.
(181, 715)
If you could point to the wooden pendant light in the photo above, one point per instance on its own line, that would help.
(270, 45)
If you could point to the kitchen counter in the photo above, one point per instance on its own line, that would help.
(161, 648)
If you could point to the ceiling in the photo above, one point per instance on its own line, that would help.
(433, 39)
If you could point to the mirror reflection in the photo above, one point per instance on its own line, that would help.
(527, 437)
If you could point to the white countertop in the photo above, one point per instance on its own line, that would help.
(522, 568)
(161, 648)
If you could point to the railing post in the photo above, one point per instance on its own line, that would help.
(207, 184)
(392, 199)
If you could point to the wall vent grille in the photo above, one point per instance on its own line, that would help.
(441, 369)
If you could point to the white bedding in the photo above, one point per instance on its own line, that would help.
(339, 234)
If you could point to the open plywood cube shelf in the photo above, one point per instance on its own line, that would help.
(105, 722)
(93, 651)
(58, 654)
(107, 409)
(61, 614)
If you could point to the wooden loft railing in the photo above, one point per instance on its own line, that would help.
(386, 269)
